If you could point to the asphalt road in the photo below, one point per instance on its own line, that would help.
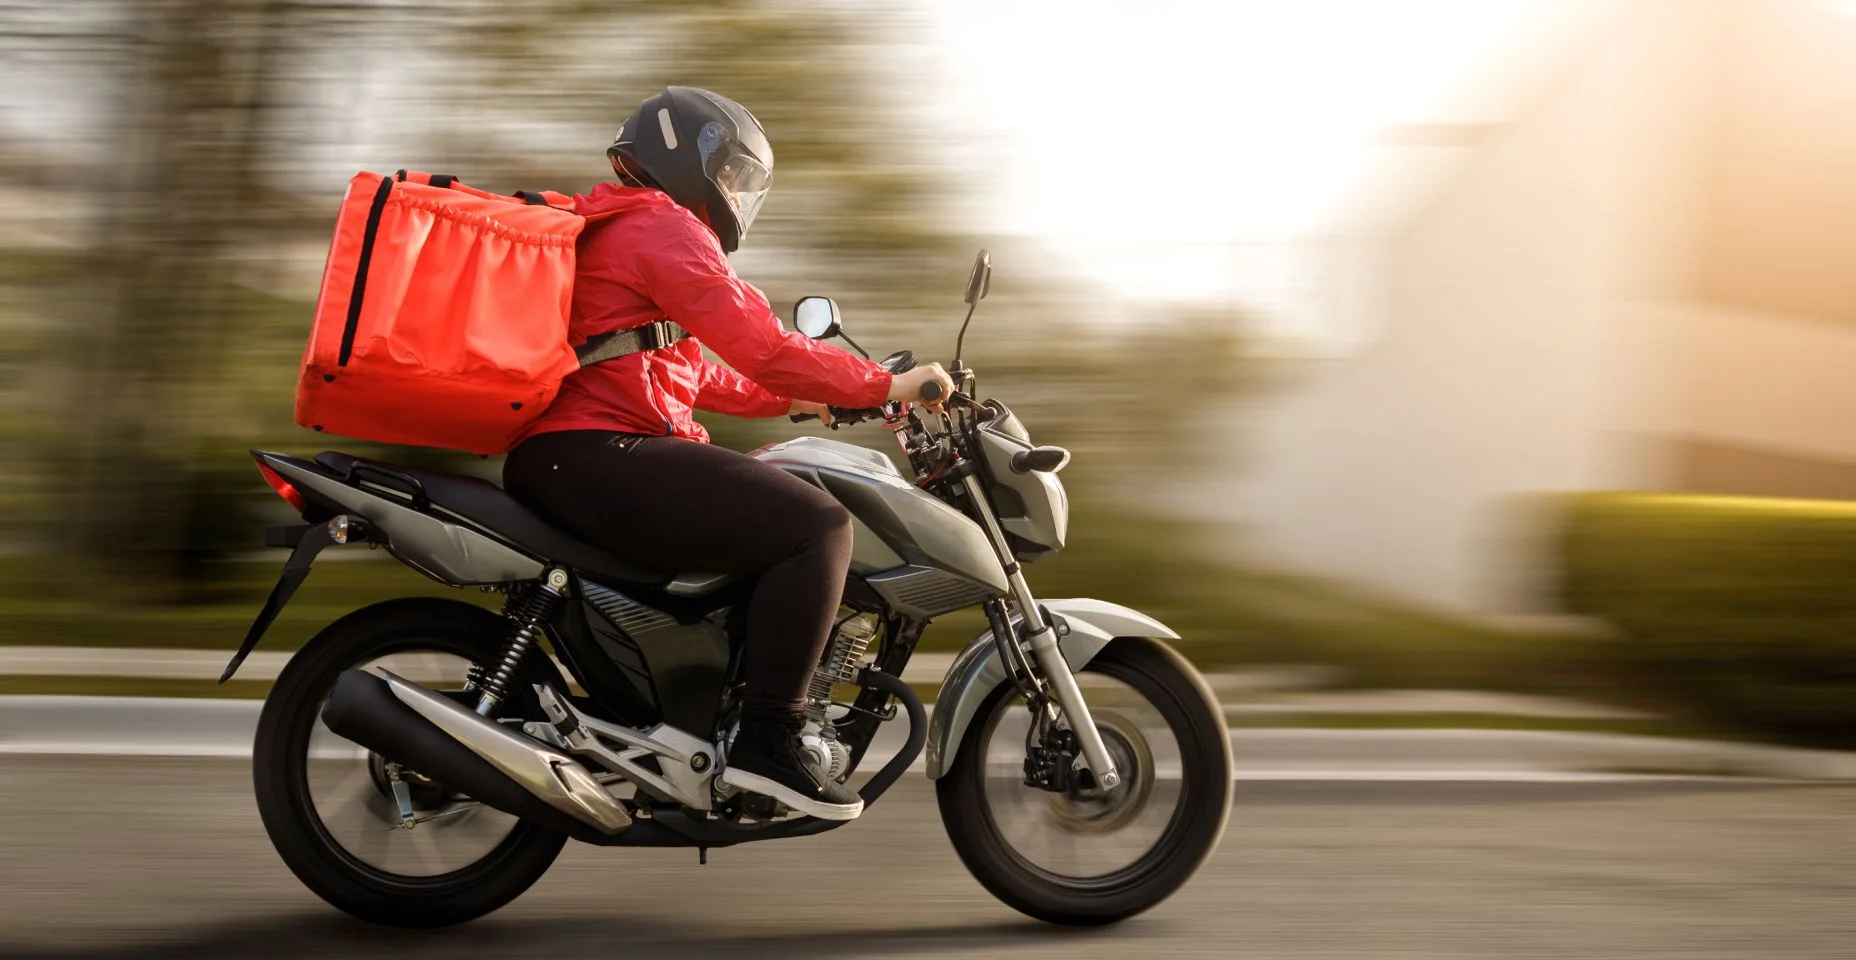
(158, 858)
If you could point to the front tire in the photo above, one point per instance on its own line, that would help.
(1152, 681)
(513, 856)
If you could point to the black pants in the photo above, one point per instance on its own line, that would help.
(678, 506)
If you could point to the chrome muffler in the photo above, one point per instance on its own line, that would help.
(473, 755)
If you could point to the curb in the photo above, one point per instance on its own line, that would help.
(1442, 754)
(146, 726)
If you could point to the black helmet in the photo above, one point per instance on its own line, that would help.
(704, 150)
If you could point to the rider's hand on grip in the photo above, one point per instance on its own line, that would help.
(913, 386)
(804, 410)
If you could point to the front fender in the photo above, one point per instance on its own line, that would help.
(1084, 627)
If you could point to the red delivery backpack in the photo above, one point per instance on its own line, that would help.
(442, 319)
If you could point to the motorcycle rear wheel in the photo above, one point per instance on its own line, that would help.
(1184, 734)
(378, 889)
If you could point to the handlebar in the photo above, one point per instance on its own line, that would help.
(850, 415)
(844, 415)
(932, 392)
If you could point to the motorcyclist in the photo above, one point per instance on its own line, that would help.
(619, 460)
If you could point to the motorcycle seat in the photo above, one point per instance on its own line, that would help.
(494, 511)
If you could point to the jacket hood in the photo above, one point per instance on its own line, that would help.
(619, 198)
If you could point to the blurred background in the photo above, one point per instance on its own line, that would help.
(1356, 314)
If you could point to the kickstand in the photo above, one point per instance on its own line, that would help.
(702, 856)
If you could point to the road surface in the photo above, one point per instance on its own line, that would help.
(165, 858)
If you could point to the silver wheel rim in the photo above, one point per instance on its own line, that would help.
(351, 794)
(1084, 834)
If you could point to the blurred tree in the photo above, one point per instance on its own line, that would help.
(137, 495)
(179, 329)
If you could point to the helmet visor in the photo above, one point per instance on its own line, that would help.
(736, 171)
(743, 181)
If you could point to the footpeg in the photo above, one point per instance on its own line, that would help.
(402, 796)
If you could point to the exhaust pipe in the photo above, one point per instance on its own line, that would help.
(473, 755)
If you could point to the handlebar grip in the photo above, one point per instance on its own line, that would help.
(802, 417)
(931, 391)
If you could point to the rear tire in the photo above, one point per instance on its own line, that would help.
(280, 763)
(1176, 692)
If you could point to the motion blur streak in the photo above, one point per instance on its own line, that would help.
(1355, 314)
(1306, 870)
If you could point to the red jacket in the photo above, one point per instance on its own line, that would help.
(652, 259)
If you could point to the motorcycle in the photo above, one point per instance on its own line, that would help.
(422, 761)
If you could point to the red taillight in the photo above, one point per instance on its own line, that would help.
(291, 495)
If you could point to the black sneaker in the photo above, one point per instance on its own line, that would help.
(766, 759)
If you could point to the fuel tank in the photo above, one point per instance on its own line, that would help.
(922, 555)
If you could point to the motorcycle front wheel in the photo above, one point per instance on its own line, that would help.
(1085, 856)
(330, 805)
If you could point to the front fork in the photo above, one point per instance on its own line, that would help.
(1042, 638)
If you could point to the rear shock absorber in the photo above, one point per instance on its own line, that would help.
(525, 614)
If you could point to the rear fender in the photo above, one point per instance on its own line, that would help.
(309, 542)
(1084, 626)
(446, 552)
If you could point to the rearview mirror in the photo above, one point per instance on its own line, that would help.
(980, 279)
(817, 317)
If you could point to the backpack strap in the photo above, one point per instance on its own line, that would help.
(610, 346)
(545, 198)
(440, 180)
(445, 181)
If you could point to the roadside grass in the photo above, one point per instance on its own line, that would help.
(134, 687)
(1673, 727)
(332, 590)
(1227, 618)
(1236, 615)
(1259, 617)
(1263, 618)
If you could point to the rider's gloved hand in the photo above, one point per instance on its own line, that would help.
(907, 386)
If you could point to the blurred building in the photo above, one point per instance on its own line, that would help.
(1637, 271)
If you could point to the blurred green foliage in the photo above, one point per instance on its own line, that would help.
(157, 339)
(1233, 615)
(1743, 609)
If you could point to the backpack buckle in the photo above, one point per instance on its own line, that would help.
(659, 334)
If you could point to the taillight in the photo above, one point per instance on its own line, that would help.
(291, 495)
